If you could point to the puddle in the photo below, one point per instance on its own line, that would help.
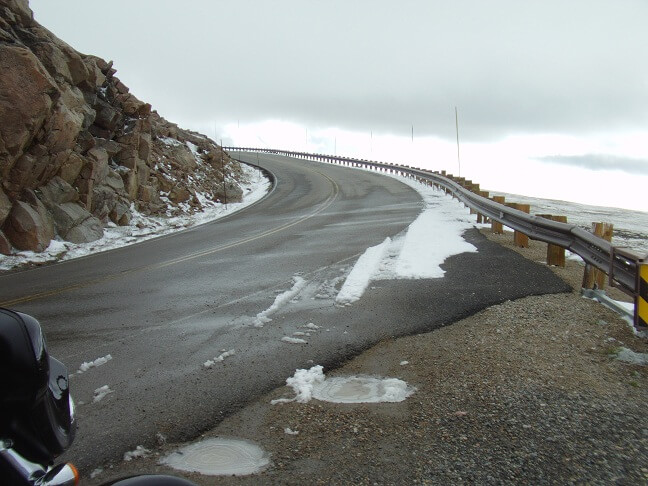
(362, 389)
(219, 456)
(312, 383)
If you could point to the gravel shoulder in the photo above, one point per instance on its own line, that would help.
(529, 391)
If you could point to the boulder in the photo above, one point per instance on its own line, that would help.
(179, 194)
(71, 168)
(25, 228)
(121, 213)
(5, 244)
(26, 93)
(58, 191)
(5, 206)
(70, 116)
(75, 224)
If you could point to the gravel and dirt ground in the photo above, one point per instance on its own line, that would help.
(526, 392)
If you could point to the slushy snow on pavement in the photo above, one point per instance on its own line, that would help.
(433, 237)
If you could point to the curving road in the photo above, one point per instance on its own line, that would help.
(164, 307)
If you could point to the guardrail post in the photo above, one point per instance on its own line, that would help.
(593, 278)
(480, 217)
(496, 226)
(641, 299)
(555, 253)
(519, 238)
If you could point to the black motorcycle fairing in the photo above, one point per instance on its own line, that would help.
(36, 411)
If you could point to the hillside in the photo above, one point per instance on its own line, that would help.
(78, 151)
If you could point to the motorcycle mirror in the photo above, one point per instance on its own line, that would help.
(36, 410)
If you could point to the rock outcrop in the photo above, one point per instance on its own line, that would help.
(78, 151)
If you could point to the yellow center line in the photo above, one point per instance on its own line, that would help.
(48, 293)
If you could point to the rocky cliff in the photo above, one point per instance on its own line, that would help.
(78, 151)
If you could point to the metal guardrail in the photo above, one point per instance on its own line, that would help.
(621, 265)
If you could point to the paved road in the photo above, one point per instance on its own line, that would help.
(163, 307)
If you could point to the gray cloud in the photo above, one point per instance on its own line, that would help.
(511, 67)
(601, 162)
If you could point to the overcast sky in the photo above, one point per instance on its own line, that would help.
(536, 83)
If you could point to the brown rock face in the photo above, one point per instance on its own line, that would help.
(79, 149)
(27, 229)
(27, 93)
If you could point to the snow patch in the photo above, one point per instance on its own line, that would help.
(312, 383)
(281, 300)
(360, 276)
(139, 451)
(225, 354)
(289, 431)
(86, 365)
(292, 340)
(101, 392)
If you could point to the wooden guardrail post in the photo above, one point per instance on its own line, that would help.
(593, 278)
(520, 239)
(496, 226)
(555, 253)
(480, 217)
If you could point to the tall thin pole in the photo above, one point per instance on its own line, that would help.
(412, 133)
(457, 126)
(223, 174)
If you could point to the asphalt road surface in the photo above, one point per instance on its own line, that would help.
(164, 307)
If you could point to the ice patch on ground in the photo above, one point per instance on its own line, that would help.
(219, 456)
(362, 389)
(289, 431)
(86, 365)
(281, 300)
(312, 383)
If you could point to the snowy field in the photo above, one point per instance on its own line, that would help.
(144, 227)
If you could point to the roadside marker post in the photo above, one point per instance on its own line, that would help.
(641, 303)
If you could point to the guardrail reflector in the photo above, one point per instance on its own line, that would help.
(641, 306)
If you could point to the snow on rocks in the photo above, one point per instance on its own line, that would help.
(280, 301)
(312, 383)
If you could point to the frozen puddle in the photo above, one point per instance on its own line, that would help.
(362, 389)
(219, 456)
(312, 383)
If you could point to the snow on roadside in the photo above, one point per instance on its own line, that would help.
(140, 451)
(221, 357)
(365, 268)
(101, 392)
(281, 300)
(144, 227)
(86, 365)
(312, 383)
(435, 235)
